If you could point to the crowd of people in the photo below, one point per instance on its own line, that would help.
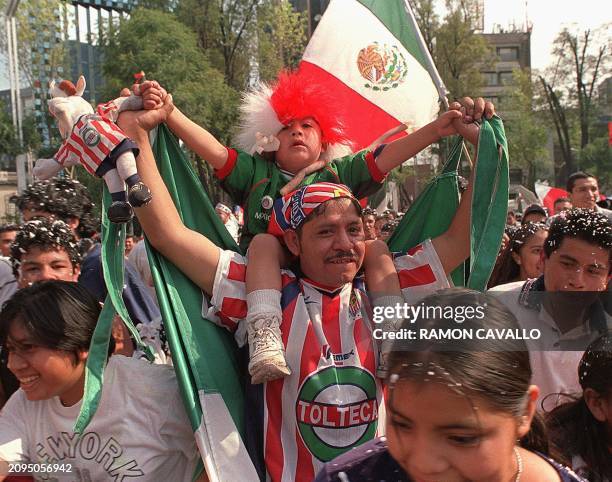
(326, 399)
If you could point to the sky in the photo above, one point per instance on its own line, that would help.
(546, 17)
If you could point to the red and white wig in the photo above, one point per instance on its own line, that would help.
(295, 95)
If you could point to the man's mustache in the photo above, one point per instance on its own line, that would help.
(342, 255)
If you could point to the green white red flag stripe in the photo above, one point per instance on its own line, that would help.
(548, 195)
(367, 53)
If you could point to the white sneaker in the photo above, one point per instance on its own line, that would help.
(267, 353)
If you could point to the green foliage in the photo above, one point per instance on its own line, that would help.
(281, 38)
(9, 144)
(525, 130)
(569, 87)
(168, 52)
(227, 31)
(596, 158)
(427, 20)
(458, 52)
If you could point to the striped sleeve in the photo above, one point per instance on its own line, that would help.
(420, 271)
(228, 304)
(108, 110)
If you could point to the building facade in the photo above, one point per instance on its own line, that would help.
(513, 51)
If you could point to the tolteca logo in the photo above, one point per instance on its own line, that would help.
(337, 410)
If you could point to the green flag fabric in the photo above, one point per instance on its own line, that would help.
(432, 212)
(113, 247)
(205, 356)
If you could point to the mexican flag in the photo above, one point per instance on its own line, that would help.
(548, 195)
(371, 55)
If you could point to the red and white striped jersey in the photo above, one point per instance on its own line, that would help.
(332, 401)
(92, 139)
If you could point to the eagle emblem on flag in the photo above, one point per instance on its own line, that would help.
(383, 66)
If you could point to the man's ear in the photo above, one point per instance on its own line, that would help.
(594, 401)
(533, 392)
(292, 241)
(76, 273)
(73, 223)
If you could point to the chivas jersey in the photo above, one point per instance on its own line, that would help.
(92, 139)
(332, 401)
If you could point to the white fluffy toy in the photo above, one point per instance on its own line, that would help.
(93, 140)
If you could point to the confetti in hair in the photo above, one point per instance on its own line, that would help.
(596, 365)
(62, 197)
(521, 235)
(46, 235)
(589, 226)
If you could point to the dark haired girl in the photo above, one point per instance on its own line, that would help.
(140, 428)
(582, 428)
(520, 259)
(456, 416)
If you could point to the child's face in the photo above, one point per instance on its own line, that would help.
(436, 434)
(300, 144)
(43, 372)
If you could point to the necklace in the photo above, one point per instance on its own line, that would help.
(519, 463)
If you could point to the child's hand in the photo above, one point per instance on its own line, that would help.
(132, 121)
(153, 94)
(473, 110)
(445, 124)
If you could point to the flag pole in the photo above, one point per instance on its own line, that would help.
(431, 67)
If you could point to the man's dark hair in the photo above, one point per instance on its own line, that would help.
(59, 315)
(584, 224)
(64, 198)
(368, 211)
(571, 180)
(7, 228)
(45, 235)
(561, 200)
(534, 209)
(34, 196)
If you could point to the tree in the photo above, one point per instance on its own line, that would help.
(281, 38)
(579, 56)
(569, 88)
(524, 129)
(427, 20)
(460, 53)
(170, 55)
(225, 30)
(9, 144)
(457, 51)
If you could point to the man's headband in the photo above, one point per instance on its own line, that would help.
(291, 210)
(222, 207)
